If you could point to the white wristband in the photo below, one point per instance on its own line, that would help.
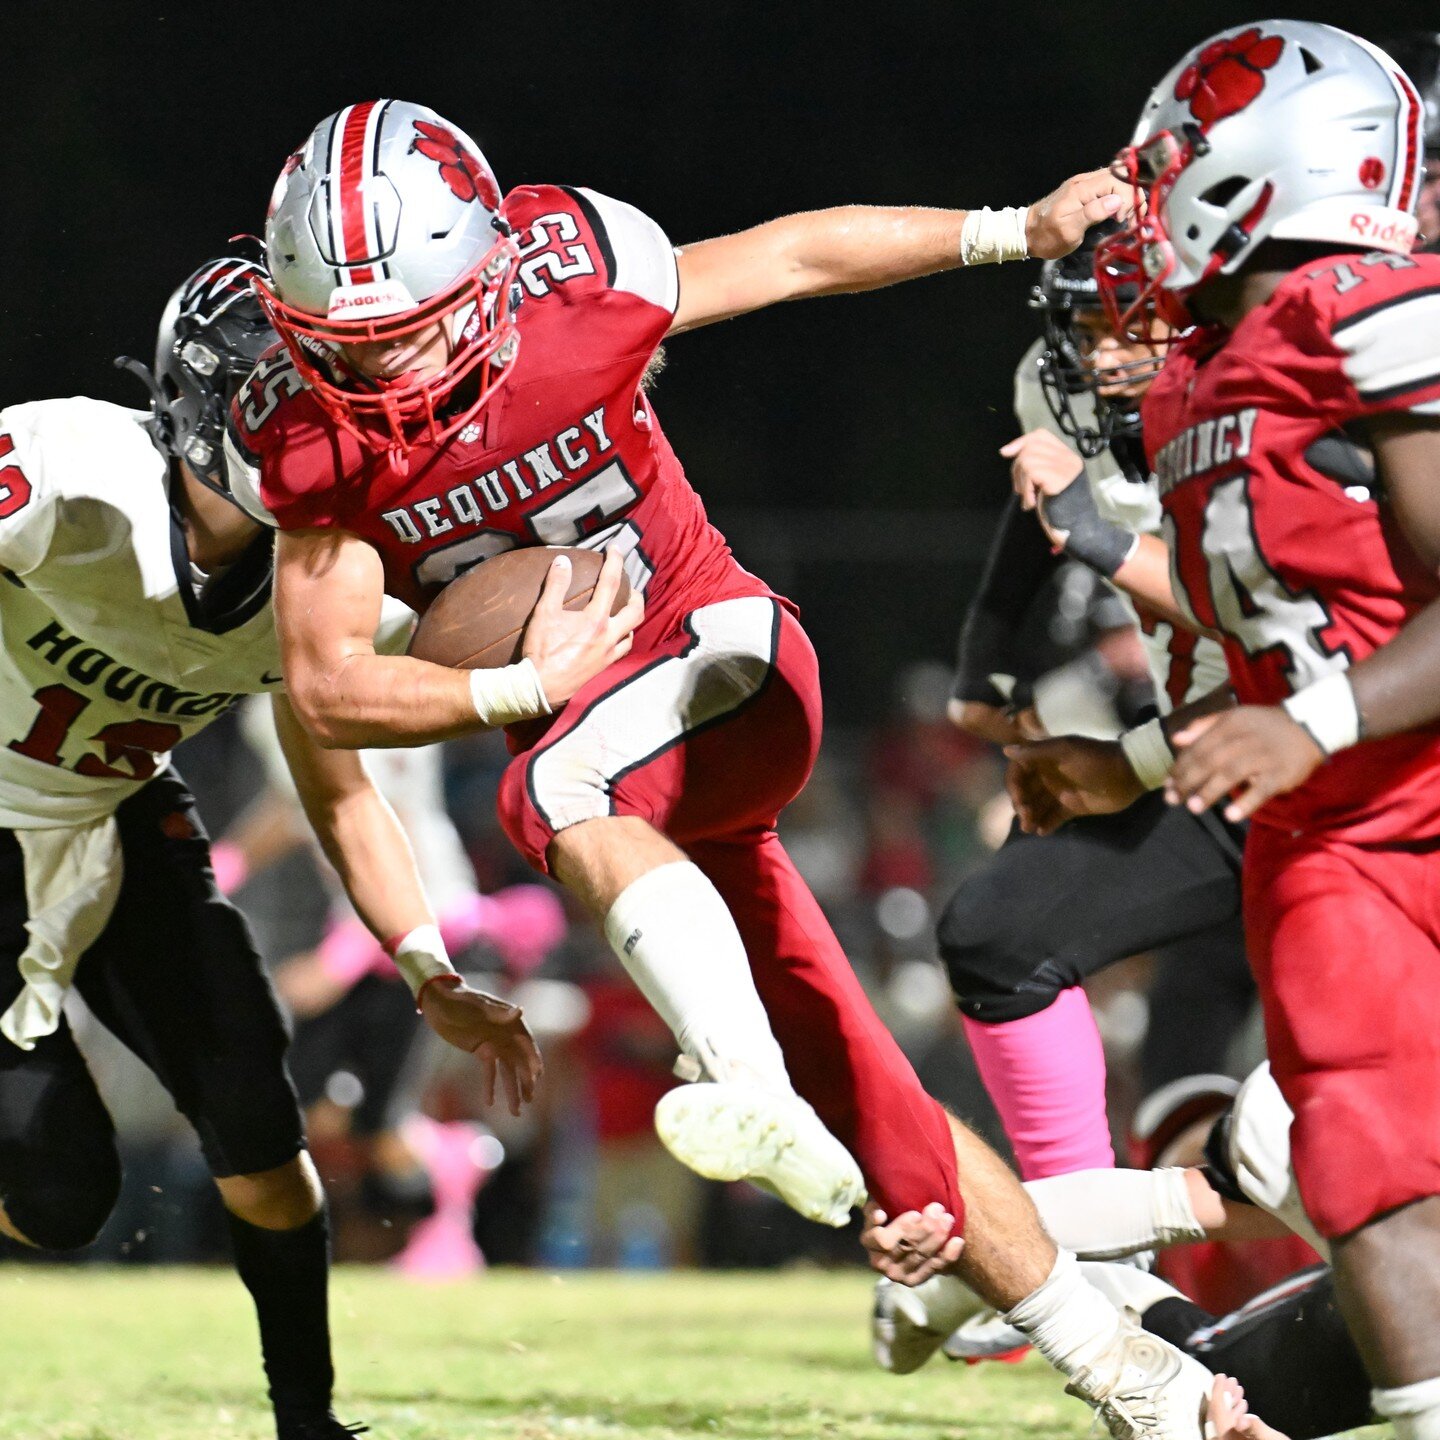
(511, 693)
(1149, 753)
(421, 956)
(989, 237)
(1328, 711)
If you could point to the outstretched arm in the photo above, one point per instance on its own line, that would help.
(859, 247)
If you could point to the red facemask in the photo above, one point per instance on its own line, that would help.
(1132, 265)
(394, 416)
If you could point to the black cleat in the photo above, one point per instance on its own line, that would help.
(327, 1427)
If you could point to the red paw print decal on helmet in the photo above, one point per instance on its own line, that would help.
(466, 174)
(1228, 74)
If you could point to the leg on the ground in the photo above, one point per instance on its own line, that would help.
(176, 978)
(1020, 935)
(280, 1232)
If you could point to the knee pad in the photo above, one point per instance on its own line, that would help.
(66, 1208)
(993, 981)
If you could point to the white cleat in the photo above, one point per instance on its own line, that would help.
(731, 1131)
(985, 1336)
(1143, 1388)
(909, 1323)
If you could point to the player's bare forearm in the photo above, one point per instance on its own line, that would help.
(818, 252)
(1145, 577)
(328, 590)
(357, 830)
(1397, 688)
(862, 247)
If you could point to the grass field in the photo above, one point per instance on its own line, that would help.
(166, 1354)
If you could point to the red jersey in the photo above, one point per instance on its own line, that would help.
(1282, 538)
(567, 452)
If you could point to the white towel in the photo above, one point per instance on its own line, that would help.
(72, 880)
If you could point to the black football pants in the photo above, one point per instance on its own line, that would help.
(1289, 1348)
(1045, 912)
(176, 977)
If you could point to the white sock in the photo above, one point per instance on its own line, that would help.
(1414, 1410)
(1126, 1287)
(674, 934)
(1067, 1319)
(1105, 1214)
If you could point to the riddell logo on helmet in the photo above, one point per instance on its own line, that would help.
(385, 298)
(1393, 233)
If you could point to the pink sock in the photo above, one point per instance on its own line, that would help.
(1046, 1075)
(442, 1247)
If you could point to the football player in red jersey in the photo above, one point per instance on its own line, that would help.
(462, 375)
(1295, 431)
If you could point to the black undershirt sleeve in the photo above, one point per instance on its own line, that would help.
(1016, 570)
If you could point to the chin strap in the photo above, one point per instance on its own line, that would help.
(159, 422)
(143, 374)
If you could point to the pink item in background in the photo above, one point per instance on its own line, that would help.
(521, 923)
(442, 1246)
(1046, 1075)
(231, 867)
(349, 951)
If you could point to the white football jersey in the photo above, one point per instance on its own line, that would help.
(1183, 665)
(114, 651)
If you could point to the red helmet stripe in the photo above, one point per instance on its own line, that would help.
(1408, 150)
(353, 154)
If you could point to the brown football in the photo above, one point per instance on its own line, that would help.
(478, 620)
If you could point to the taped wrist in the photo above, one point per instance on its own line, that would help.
(509, 694)
(1328, 713)
(1083, 533)
(1149, 753)
(420, 956)
(989, 237)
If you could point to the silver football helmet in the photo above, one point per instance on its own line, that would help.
(384, 223)
(1281, 130)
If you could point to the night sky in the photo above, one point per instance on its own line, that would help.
(847, 445)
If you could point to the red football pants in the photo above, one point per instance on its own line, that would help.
(1345, 944)
(707, 736)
